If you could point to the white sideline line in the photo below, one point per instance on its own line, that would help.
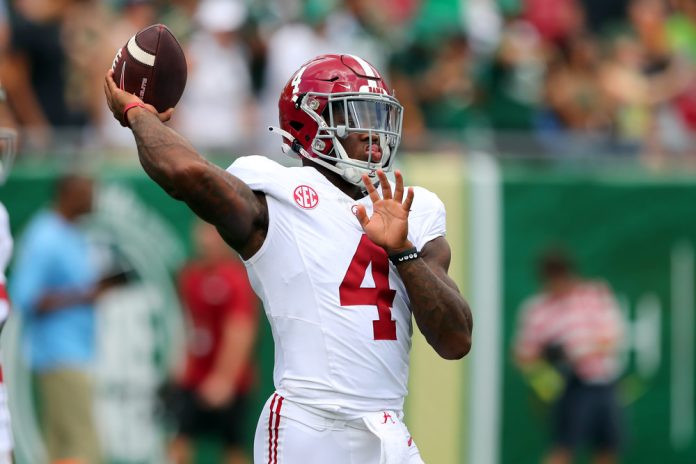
(486, 307)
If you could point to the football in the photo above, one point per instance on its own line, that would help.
(152, 66)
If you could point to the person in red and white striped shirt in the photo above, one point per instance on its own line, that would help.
(576, 325)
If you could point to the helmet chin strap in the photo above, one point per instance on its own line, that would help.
(349, 173)
(353, 175)
(286, 148)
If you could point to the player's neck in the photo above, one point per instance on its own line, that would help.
(353, 191)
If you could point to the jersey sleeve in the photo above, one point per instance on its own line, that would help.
(427, 220)
(260, 174)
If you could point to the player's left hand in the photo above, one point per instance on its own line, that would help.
(388, 226)
(118, 99)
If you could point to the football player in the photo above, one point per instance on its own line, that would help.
(340, 256)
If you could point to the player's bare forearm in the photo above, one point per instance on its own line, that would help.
(212, 193)
(162, 152)
(442, 314)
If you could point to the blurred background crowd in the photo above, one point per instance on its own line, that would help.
(516, 77)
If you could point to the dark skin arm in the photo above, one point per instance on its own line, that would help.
(239, 214)
(442, 314)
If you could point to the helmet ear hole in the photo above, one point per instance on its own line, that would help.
(297, 125)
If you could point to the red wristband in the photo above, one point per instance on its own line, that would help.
(129, 107)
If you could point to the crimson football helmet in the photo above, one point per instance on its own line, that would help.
(330, 97)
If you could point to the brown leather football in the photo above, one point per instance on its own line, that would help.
(152, 66)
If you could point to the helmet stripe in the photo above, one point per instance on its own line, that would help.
(369, 70)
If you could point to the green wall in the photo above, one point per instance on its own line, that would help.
(633, 231)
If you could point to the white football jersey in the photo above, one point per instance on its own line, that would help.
(338, 310)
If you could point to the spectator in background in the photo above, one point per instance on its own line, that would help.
(512, 83)
(39, 73)
(574, 94)
(218, 374)
(648, 19)
(667, 74)
(179, 15)
(217, 110)
(631, 94)
(576, 325)
(447, 90)
(602, 15)
(555, 20)
(4, 28)
(54, 286)
(292, 44)
(359, 27)
(130, 17)
(436, 82)
(681, 28)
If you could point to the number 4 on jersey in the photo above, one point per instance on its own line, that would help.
(352, 294)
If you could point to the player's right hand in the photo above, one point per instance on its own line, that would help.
(388, 225)
(118, 100)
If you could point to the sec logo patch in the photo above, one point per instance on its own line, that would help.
(306, 197)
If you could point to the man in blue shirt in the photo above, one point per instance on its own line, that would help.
(54, 286)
